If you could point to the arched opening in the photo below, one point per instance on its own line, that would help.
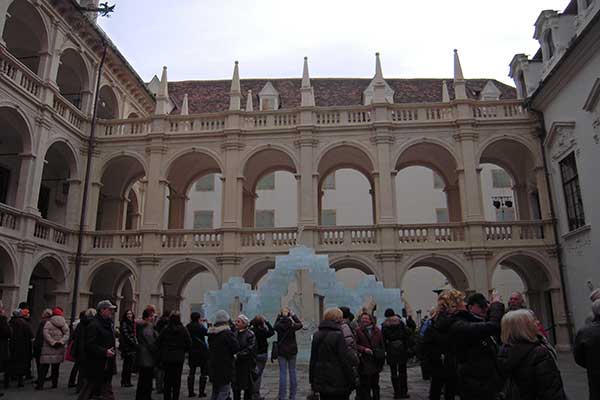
(193, 174)
(73, 78)
(113, 281)
(427, 276)
(421, 197)
(203, 202)
(46, 279)
(350, 274)
(108, 106)
(121, 174)
(427, 185)
(420, 288)
(526, 274)
(497, 192)
(346, 191)
(133, 216)
(7, 277)
(184, 286)
(15, 147)
(59, 167)
(270, 193)
(518, 162)
(25, 35)
(133, 115)
(256, 274)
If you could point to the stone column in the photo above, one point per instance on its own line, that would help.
(248, 208)
(309, 192)
(229, 266)
(453, 197)
(112, 213)
(522, 203)
(542, 189)
(388, 265)
(156, 190)
(147, 269)
(177, 203)
(24, 185)
(469, 182)
(560, 319)
(386, 210)
(232, 212)
(25, 260)
(73, 203)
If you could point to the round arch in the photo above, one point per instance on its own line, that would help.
(432, 154)
(8, 264)
(531, 268)
(355, 262)
(11, 116)
(450, 267)
(256, 270)
(26, 34)
(119, 173)
(73, 77)
(264, 159)
(106, 280)
(54, 263)
(48, 277)
(345, 154)
(108, 104)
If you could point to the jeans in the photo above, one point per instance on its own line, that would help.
(369, 387)
(74, 375)
(398, 372)
(287, 366)
(172, 384)
(128, 361)
(220, 392)
(261, 362)
(54, 374)
(144, 384)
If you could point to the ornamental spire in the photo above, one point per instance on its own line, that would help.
(445, 94)
(235, 95)
(460, 89)
(185, 105)
(163, 105)
(378, 71)
(249, 103)
(306, 90)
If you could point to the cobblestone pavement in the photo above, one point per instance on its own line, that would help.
(574, 378)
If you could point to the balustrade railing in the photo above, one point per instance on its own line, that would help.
(270, 120)
(117, 240)
(498, 110)
(48, 231)
(17, 72)
(431, 233)
(9, 217)
(197, 124)
(348, 237)
(514, 230)
(127, 127)
(191, 239)
(68, 111)
(269, 238)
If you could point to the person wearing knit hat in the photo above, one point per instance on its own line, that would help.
(222, 347)
(56, 336)
(58, 311)
(244, 360)
(20, 345)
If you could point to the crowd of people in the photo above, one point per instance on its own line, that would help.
(469, 347)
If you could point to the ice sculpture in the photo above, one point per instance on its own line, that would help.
(317, 286)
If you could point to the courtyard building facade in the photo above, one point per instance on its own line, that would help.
(156, 141)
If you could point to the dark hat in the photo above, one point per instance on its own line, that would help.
(105, 304)
(389, 313)
(479, 299)
(346, 314)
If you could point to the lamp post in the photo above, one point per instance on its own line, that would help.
(104, 10)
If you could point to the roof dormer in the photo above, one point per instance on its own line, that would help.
(268, 98)
(379, 81)
(490, 92)
(586, 9)
(553, 31)
(526, 75)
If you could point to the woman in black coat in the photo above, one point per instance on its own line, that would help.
(330, 370)
(286, 326)
(21, 349)
(526, 361)
(395, 339)
(127, 346)
(5, 334)
(245, 359)
(263, 331)
(222, 347)
(587, 351)
(173, 342)
(198, 358)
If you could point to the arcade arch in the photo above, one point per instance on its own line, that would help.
(73, 78)
(120, 174)
(270, 189)
(108, 105)
(15, 154)
(26, 36)
(184, 284)
(519, 162)
(113, 280)
(431, 159)
(7, 275)
(60, 166)
(46, 281)
(421, 197)
(351, 272)
(182, 173)
(255, 274)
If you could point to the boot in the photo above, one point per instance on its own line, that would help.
(202, 386)
(190, 383)
(396, 387)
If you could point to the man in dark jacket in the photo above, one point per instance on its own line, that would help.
(474, 337)
(198, 358)
(396, 338)
(5, 334)
(331, 372)
(244, 359)
(286, 326)
(587, 351)
(98, 359)
(145, 354)
(222, 346)
(173, 342)
(20, 349)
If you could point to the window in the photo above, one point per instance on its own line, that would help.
(206, 184)
(500, 179)
(203, 219)
(549, 44)
(267, 182)
(572, 191)
(523, 85)
(441, 215)
(328, 218)
(329, 183)
(265, 218)
(438, 182)
(505, 214)
(4, 182)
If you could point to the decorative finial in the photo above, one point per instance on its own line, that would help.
(249, 102)
(445, 94)
(185, 105)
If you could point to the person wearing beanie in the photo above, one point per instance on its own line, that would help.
(244, 359)
(349, 333)
(222, 347)
(38, 342)
(396, 339)
(172, 343)
(263, 330)
(20, 351)
(56, 336)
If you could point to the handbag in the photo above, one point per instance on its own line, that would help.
(68, 352)
(274, 351)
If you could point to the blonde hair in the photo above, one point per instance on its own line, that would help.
(47, 313)
(450, 300)
(519, 326)
(90, 312)
(333, 314)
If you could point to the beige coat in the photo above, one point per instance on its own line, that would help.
(55, 331)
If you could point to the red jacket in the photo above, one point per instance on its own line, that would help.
(370, 364)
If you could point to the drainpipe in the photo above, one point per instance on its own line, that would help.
(86, 185)
(561, 265)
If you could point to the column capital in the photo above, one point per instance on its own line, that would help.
(388, 256)
(26, 247)
(306, 142)
(148, 261)
(478, 254)
(230, 259)
(156, 148)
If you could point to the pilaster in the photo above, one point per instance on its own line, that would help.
(389, 262)
(147, 268)
(308, 193)
(229, 267)
(155, 199)
(386, 209)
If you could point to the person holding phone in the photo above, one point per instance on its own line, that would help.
(286, 326)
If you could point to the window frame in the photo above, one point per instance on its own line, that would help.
(206, 212)
(573, 200)
(271, 211)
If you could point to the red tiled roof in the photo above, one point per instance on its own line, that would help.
(213, 96)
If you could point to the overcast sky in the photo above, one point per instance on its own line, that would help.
(200, 39)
